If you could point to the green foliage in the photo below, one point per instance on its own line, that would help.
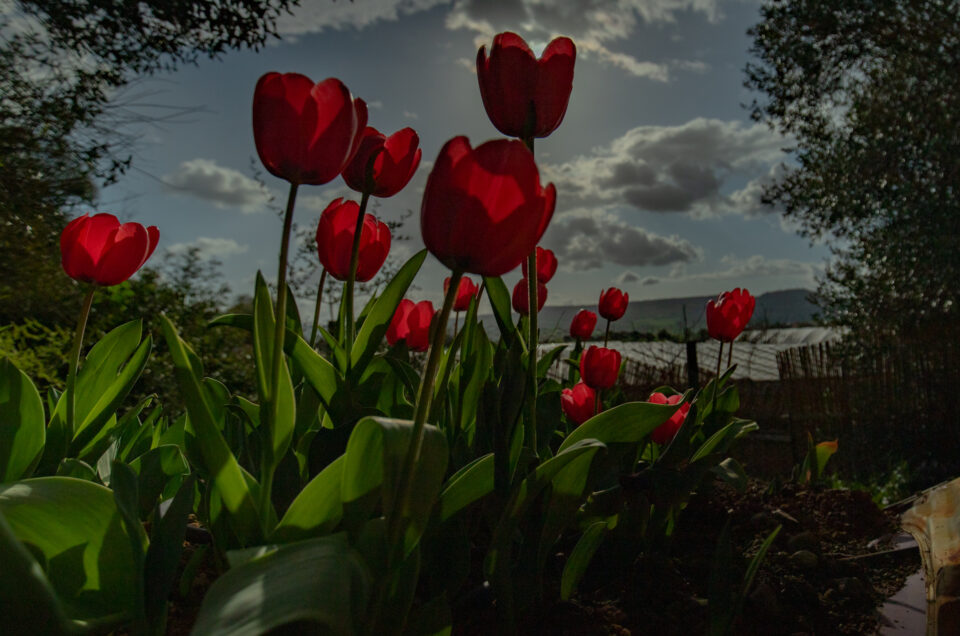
(38, 350)
(870, 94)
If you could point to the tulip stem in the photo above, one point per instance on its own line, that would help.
(606, 334)
(716, 380)
(279, 333)
(316, 309)
(354, 261)
(424, 397)
(534, 300)
(75, 361)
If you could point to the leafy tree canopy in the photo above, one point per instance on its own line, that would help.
(63, 64)
(870, 93)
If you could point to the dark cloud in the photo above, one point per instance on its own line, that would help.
(589, 240)
(687, 168)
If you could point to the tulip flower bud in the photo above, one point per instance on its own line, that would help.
(668, 430)
(546, 265)
(338, 224)
(521, 297)
(466, 290)
(728, 316)
(599, 367)
(579, 402)
(583, 324)
(411, 324)
(613, 303)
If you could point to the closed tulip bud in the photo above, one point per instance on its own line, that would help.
(466, 290)
(526, 97)
(583, 324)
(728, 316)
(521, 297)
(338, 224)
(306, 133)
(579, 403)
(388, 162)
(546, 265)
(613, 303)
(411, 324)
(599, 367)
(668, 430)
(483, 208)
(99, 249)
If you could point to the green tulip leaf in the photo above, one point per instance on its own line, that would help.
(22, 428)
(626, 423)
(467, 485)
(28, 603)
(225, 472)
(321, 581)
(580, 557)
(317, 509)
(107, 375)
(381, 313)
(88, 560)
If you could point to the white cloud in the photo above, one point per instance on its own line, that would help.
(210, 247)
(222, 186)
(686, 168)
(316, 17)
(589, 238)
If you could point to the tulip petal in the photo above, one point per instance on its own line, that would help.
(128, 249)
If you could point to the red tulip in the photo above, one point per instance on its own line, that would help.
(666, 431)
(99, 249)
(613, 303)
(546, 265)
(411, 323)
(729, 315)
(583, 324)
(579, 403)
(305, 132)
(394, 160)
(338, 224)
(484, 209)
(526, 97)
(599, 367)
(466, 290)
(521, 296)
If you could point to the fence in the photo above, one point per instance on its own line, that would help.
(898, 402)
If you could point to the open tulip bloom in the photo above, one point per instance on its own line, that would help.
(526, 97)
(335, 238)
(306, 133)
(99, 249)
(484, 208)
(383, 165)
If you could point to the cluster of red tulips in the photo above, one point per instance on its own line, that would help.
(476, 197)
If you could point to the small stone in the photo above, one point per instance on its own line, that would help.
(804, 559)
(804, 541)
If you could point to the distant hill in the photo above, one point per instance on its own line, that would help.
(780, 308)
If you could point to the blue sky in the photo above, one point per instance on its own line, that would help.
(657, 166)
